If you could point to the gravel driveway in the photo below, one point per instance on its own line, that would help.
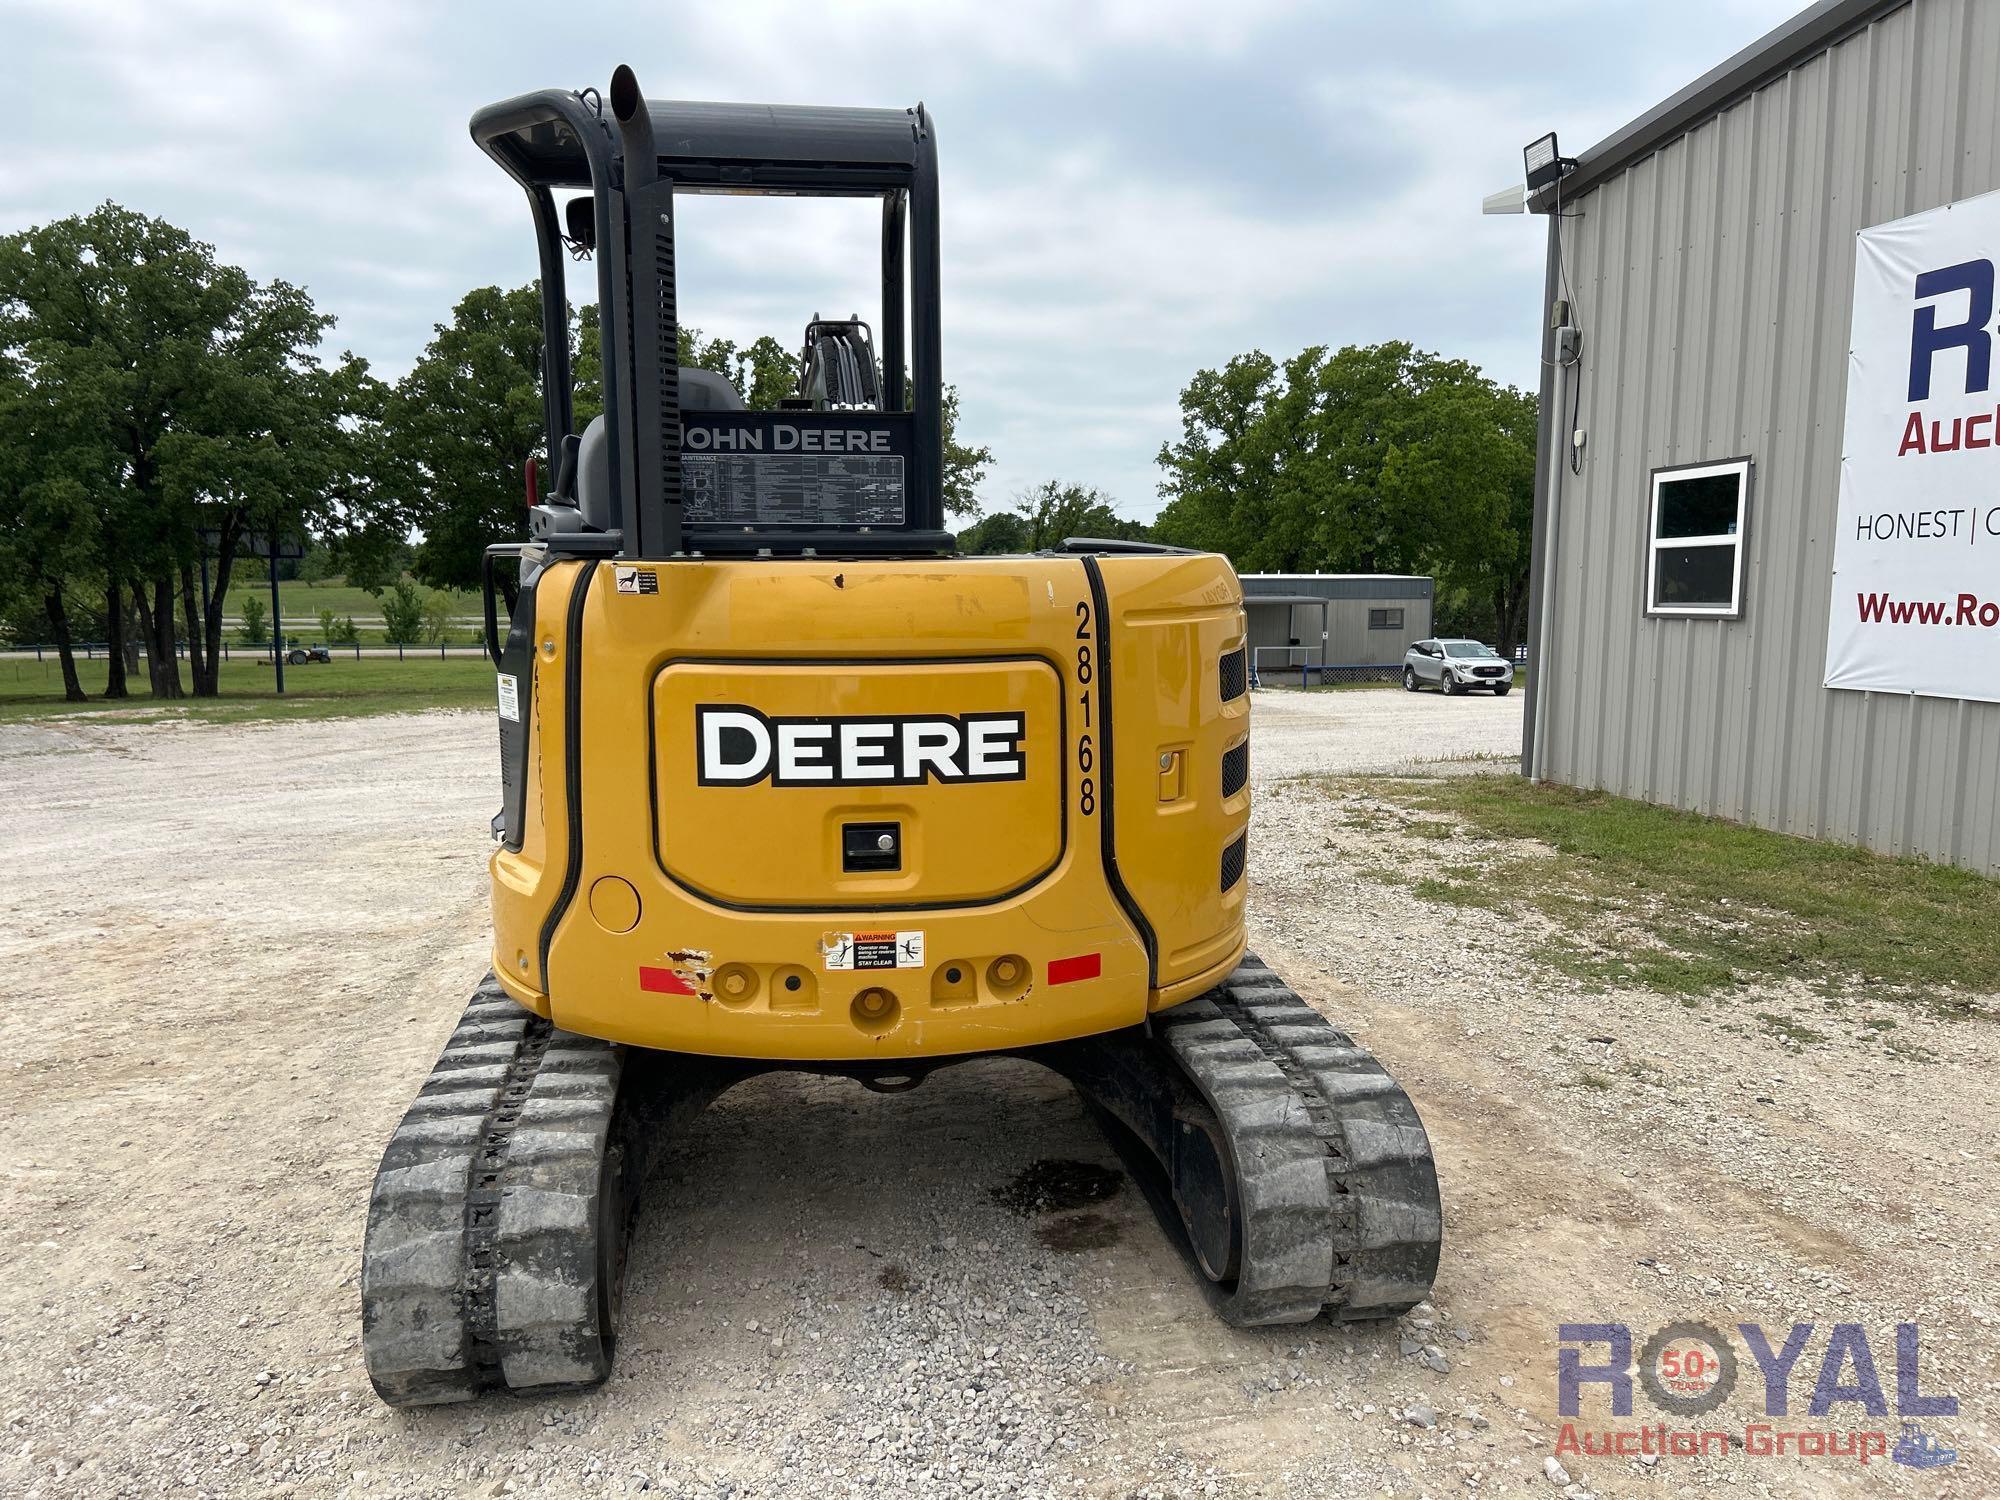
(1331, 731)
(236, 950)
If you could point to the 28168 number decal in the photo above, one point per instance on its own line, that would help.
(1086, 750)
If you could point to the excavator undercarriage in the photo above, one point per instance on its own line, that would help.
(1297, 1171)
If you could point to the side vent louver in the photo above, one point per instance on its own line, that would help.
(1232, 860)
(1235, 768)
(1235, 675)
(670, 384)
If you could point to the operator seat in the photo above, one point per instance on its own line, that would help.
(704, 390)
(701, 390)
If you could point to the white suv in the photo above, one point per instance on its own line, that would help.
(1457, 667)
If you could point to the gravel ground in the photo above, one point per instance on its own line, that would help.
(1381, 729)
(238, 948)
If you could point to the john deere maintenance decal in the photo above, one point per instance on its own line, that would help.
(872, 950)
(789, 469)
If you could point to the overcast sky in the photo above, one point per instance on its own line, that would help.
(1131, 190)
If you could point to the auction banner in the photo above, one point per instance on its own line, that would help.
(1916, 561)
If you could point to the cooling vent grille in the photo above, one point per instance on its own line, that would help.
(1235, 768)
(1235, 674)
(1232, 860)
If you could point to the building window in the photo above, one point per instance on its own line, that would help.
(1385, 619)
(1694, 564)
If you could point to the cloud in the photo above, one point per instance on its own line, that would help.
(1133, 189)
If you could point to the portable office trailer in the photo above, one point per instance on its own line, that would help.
(1354, 624)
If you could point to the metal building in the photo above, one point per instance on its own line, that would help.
(1338, 624)
(1703, 260)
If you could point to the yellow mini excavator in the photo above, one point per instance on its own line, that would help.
(786, 784)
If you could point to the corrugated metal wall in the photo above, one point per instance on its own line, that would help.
(1354, 644)
(1349, 641)
(1712, 281)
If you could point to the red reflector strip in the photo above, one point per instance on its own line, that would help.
(1069, 970)
(663, 982)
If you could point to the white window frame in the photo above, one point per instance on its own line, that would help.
(1655, 543)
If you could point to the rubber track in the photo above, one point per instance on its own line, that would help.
(1336, 1189)
(1283, 1201)
(1382, 1181)
(485, 1248)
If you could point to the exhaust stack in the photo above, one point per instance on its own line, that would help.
(635, 129)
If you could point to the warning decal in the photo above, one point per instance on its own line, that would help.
(638, 581)
(872, 950)
(510, 697)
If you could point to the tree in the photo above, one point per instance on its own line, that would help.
(437, 617)
(167, 395)
(372, 556)
(763, 374)
(459, 428)
(1505, 565)
(1053, 511)
(1047, 514)
(403, 612)
(318, 565)
(45, 541)
(287, 447)
(999, 533)
(964, 465)
(1223, 473)
(251, 632)
(1365, 459)
(327, 625)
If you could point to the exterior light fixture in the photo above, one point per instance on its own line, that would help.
(1545, 163)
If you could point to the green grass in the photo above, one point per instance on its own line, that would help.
(372, 685)
(306, 600)
(1688, 905)
(1382, 874)
(1454, 893)
(367, 635)
(1794, 1033)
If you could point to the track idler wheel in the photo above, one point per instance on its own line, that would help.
(1204, 1193)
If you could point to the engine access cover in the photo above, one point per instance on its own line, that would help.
(762, 772)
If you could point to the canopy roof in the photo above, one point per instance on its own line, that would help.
(698, 142)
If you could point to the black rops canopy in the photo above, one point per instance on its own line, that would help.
(695, 141)
(631, 155)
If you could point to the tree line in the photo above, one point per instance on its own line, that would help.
(152, 401)
(1367, 459)
(1375, 459)
(162, 413)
